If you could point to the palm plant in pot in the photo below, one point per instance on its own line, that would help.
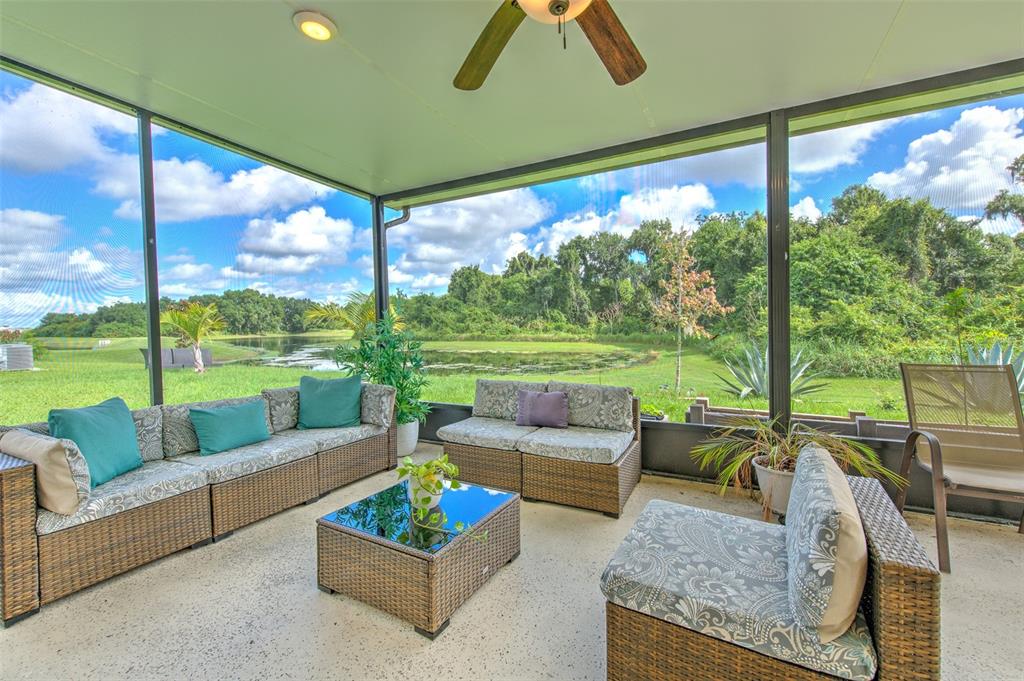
(771, 449)
(391, 357)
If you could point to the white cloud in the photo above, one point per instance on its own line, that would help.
(680, 204)
(585, 224)
(29, 228)
(429, 280)
(963, 167)
(47, 130)
(482, 230)
(187, 271)
(821, 152)
(806, 208)
(303, 241)
(192, 190)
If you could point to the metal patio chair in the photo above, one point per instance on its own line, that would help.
(967, 430)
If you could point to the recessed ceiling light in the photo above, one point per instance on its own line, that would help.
(314, 25)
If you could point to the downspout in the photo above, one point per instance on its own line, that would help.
(401, 219)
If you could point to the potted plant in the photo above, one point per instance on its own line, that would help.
(772, 449)
(426, 480)
(391, 357)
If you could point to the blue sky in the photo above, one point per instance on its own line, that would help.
(70, 236)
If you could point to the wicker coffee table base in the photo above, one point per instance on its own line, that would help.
(420, 588)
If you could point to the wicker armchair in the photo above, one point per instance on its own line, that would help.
(900, 603)
(967, 431)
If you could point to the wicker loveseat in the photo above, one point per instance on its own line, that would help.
(592, 464)
(694, 594)
(178, 499)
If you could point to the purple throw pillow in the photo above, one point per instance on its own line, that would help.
(548, 410)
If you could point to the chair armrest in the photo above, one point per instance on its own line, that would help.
(19, 554)
(901, 596)
(636, 418)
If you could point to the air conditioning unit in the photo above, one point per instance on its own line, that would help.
(16, 357)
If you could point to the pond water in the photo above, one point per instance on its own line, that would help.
(316, 354)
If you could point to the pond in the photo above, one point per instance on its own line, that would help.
(316, 354)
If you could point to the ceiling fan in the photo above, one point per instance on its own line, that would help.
(596, 17)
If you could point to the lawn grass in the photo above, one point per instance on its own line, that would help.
(75, 372)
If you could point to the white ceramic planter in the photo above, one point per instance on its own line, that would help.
(416, 491)
(775, 487)
(408, 434)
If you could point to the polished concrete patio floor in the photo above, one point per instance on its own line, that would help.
(248, 607)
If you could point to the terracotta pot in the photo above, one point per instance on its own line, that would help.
(775, 486)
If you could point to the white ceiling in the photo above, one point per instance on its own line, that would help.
(376, 110)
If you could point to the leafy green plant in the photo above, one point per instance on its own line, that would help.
(358, 314)
(777, 447)
(999, 355)
(429, 476)
(193, 322)
(391, 357)
(750, 375)
(426, 480)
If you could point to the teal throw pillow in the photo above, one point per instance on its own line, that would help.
(333, 403)
(219, 429)
(104, 433)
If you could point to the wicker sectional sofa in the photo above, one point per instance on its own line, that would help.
(178, 499)
(592, 464)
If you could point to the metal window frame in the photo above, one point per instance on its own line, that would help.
(778, 135)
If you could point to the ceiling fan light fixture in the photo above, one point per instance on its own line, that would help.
(314, 25)
(549, 11)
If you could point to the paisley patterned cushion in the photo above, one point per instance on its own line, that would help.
(149, 424)
(577, 444)
(500, 399)
(480, 431)
(329, 438)
(378, 404)
(180, 436)
(725, 577)
(825, 546)
(253, 458)
(598, 406)
(148, 431)
(154, 481)
(284, 407)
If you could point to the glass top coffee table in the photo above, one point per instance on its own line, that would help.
(419, 570)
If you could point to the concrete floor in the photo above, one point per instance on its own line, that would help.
(248, 607)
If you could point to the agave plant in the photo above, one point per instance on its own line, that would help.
(750, 374)
(998, 355)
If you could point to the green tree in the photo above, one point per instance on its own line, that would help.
(358, 314)
(1006, 202)
(193, 323)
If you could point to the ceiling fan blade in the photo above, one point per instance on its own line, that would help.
(489, 45)
(611, 42)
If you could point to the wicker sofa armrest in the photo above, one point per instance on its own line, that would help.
(635, 403)
(393, 440)
(901, 596)
(19, 554)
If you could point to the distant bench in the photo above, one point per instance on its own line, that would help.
(178, 358)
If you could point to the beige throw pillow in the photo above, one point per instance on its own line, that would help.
(62, 475)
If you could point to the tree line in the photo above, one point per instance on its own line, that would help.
(245, 312)
(871, 281)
